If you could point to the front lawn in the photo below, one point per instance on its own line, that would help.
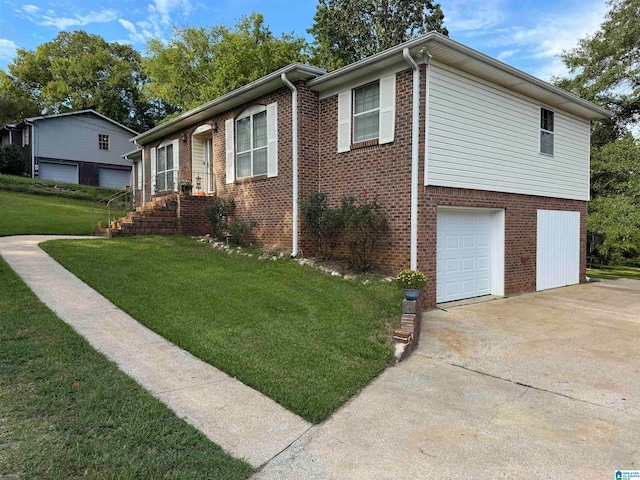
(67, 412)
(26, 214)
(614, 273)
(306, 339)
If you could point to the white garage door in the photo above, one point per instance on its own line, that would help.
(113, 178)
(60, 172)
(463, 255)
(558, 251)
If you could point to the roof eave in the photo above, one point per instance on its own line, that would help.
(500, 72)
(261, 86)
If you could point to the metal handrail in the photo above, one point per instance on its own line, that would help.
(109, 203)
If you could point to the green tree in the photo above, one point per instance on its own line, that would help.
(14, 104)
(346, 31)
(11, 160)
(605, 69)
(199, 64)
(77, 71)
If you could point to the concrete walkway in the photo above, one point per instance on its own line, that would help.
(245, 423)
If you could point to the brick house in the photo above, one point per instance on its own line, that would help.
(482, 170)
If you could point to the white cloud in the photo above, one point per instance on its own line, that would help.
(30, 9)
(7, 49)
(163, 9)
(127, 25)
(473, 16)
(508, 53)
(63, 23)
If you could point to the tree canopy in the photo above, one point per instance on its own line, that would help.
(605, 67)
(346, 31)
(199, 64)
(78, 71)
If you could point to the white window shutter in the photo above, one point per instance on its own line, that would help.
(387, 108)
(344, 121)
(176, 165)
(228, 136)
(272, 140)
(154, 170)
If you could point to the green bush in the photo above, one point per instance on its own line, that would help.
(364, 230)
(11, 161)
(324, 224)
(238, 232)
(218, 214)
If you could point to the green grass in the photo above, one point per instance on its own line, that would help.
(303, 338)
(22, 213)
(614, 273)
(67, 412)
(36, 186)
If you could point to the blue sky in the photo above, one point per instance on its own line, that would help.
(525, 34)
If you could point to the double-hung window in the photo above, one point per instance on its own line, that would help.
(103, 141)
(164, 175)
(546, 131)
(366, 112)
(251, 145)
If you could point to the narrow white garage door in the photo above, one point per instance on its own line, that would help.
(113, 178)
(60, 172)
(558, 251)
(463, 255)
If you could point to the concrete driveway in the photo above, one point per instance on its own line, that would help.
(544, 385)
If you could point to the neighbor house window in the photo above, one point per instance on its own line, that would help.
(25, 136)
(251, 145)
(103, 141)
(366, 112)
(164, 175)
(546, 131)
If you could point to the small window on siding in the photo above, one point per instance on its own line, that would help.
(366, 112)
(546, 131)
(25, 136)
(103, 141)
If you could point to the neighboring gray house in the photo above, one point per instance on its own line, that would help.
(76, 147)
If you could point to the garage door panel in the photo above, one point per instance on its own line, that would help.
(464, 262)
(558, 249)
(59, 172)
(113, 178)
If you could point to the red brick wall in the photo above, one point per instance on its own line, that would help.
(383, 171)
(521, 213)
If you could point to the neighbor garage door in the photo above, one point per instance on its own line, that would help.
(558, 251)
(114, 178)
(463, 254)
(60, 172)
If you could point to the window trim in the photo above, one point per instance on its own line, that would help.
(548, 132)
(354, 114)
(174, 156)
(104, 139)
(250, 113)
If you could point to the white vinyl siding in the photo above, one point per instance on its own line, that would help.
(558, 249)
(484, 137)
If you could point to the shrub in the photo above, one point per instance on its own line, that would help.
(411, 279)
(324, 224)
(364, 228)
(11, 161)
(238, 231)
(218, 214)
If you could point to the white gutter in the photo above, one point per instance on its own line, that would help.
(415, 122)
(294, 133)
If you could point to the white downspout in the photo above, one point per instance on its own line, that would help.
(294, 133)
(32, 139)
(415, 122)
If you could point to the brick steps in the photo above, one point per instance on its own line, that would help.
(167, 215)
